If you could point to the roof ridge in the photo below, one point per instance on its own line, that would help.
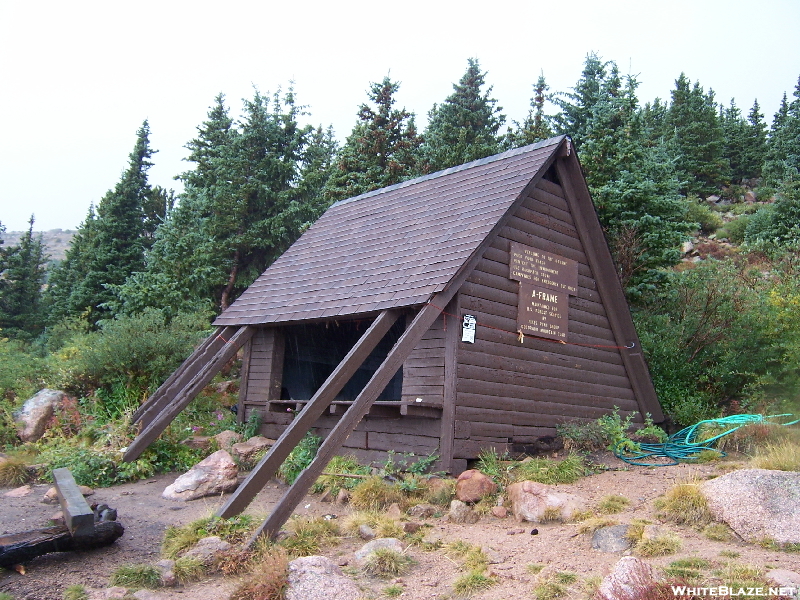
(475, 163)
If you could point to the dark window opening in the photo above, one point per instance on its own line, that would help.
(314, 350)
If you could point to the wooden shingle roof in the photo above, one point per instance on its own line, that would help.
(391, 248)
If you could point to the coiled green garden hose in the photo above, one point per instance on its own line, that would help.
(683, 445)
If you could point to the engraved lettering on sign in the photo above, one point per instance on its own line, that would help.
(542, 312)
(543, 269)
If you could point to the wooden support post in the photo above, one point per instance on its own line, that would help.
(78, 517)
(452, 340)
(177, 381)
(295, 431)
(205, 373)
(350, 420)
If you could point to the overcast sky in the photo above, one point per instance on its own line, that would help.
(80, 77)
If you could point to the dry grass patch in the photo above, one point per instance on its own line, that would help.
(684, 504)
(13, 471)
(308, 536)
(386, 563)
(136, 576)
(270, 577)
(375, 494)
(783, 455)
(188, 568)
(719, 532)
(383, 525)
(613, 504)
(659, 545)
(473, 582)
(594, 523)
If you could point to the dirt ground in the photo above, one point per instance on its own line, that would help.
(145, 515)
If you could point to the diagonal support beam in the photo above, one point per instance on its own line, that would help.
(295, 431)
(181, 376)
(187, 393)
(350, 420)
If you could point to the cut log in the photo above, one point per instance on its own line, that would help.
(22, 547)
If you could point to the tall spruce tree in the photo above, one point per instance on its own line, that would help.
(381, 150)
(782, 162)
(536, 126)
(109, 246)
(465, 126)
(736, 142)
(22, 274)
(244, 202)
(696, 138)
(757, 142)
(576, 106)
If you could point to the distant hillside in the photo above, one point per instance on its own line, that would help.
(56, 241)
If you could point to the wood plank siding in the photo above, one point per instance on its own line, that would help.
(509, 392)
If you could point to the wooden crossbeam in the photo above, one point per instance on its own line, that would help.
(295, 431)
(78, 516)
(350, 420)
(175, 382)
(205, 373)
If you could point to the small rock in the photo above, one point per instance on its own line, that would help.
(411, 527)
(318, 578)
(212, 476)
(628, 580)
(201, 442)
(394, 512)
(227, 438)
(611, 539)
(19, 492)
(422, 511)
(785, 578)
(343, 497)
(493, 556)
(58, 518)
(651, 532)
(35, 415)
(166, 567)
(147, 595)
(115, 593)
(326, 496)
(246, 451)
(226, 387)
(365, 532)
(515, 531)
(51, 495)
(501, 512)
(207, 549)
(532, 501)
(462, 513)
(472, 485)
(370, 547)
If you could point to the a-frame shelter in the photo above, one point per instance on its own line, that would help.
(490, 308)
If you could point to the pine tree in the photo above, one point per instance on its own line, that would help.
(782, 162)
(22, 275)
(696, 138)
(465, 126)
(576, 106)
(737, 142)
(756, 142)
(536, 126)
(381, 150)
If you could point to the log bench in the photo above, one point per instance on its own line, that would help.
(81, 529)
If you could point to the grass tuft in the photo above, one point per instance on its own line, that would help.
(685, 504)
(178, 539)
(551, 472)
(718, 532)
(594, 523)
(188, 568)
(729, 553)
(136, 576)
(687, 568)
(13, 472)
(473, 557)
(270, 577)
(393, 591)
(473, 582)
(613, 504)
(783, 455)
(75, 592)
(660, 545)
(309, 535)
(375, 494)
(534, 568)
(386, 562)
(383, 525)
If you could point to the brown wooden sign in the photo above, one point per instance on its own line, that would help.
(542, 312)
(543, 269)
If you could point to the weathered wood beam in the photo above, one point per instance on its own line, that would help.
(22, 547)
(350, 420)
(181, 376)
(78, 516)
(295, 431)
(204, 375)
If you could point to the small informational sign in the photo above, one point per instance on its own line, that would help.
(542, 269)
(468, 329)
(542, 312)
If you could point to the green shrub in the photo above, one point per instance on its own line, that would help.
(735, 230)
(22, 373)
(347, 465)
(699, 212)
(299, 458)
(75, 592)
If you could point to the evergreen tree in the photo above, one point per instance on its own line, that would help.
(782, 163)
(381, 150)
(244, 202)
(536, 126)
(737, 140)
(696, 138)
(22, 274)
(113, 243)
(576, 106)
(654, 122)
(633, 185)
(757, 142)
(465, 126)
